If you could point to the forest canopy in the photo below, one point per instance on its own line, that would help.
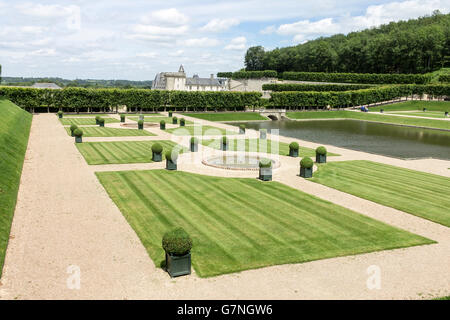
(414, 46)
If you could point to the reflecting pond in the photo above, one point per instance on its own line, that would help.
(377, 138)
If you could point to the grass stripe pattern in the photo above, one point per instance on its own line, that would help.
(168, 120)
(421, 194)
(200, 131)
(111, 132)
(120, 152)
(229, 116)
(84, 121)
(239, 224)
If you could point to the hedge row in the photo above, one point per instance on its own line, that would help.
(444, 78)
(248, 74)
(358, 77)
(354, 98)
(280, 87)
(80, 99)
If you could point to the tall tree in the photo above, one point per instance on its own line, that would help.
(254, 58)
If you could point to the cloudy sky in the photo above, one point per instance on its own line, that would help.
(135, 39)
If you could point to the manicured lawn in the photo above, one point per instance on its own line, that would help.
(238, 224)
(228, 116)
(84, 121)
(118, 152)
(428, 114)
(158, 119)
(429, 123)
(415, 105)
(421, 194)
(204, 131)
(258, 145)
(86, 115)
(111, 132)
(14, 132)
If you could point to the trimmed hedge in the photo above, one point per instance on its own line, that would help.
(321, 150)
(444, 78)
(177, 242)
(306, 162)
(358, 77)
(224, 74)
(280, 87)
(157, 148)
(254, 74)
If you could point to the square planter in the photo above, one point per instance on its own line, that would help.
(321, 158)
(162, 126)
(263, 135)
(102, 124)
(60, 116)
(381, 110)
(293, 153)
(174, 121)
(194, 147)
(96, 121)
(265, 174)
(170, 165)
(224, 147)
(241, 131)
(156, 157)
(182, 124)
(306, 172)
(78, 139)
(122, 119)
(140, 126)
(170, 114)
(178, 265)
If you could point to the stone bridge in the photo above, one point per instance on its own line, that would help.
(274, 114)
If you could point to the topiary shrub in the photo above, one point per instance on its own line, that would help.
(78, 132)
(242, 128)
(294, 146)
(171, 155)
(60, 114)
(224, 140)
(72, 128)
(265, 169)
(194, 144)
(174, 120)
(182, 122)
(265, 163)
(306, 163)
(141, 124)
(321, 150)
(122, 117)
(194, 140)
(101, 122)
(321, 154)
(157, 148)
(177, 242)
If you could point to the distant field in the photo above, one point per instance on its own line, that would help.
(370, 116)
(84, 121)
(111, 132)
(421, 194)
(204, 131)
(239, 224)
(428, 114)
(118, 152)
(168, 120)
(230, 116)
(257, 145)
(415, 105)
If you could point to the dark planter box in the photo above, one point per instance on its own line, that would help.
(71, 133)
(174, 121)
(78, 139)
(170, 114)
(293, 153)
(156, 157)
(306, 172)
(60, 116)
(321, 158)
(170, 165)
(182, 124)
(178, 265)
(122, 119)
(381, 110)
(162, 126)
(194, 147)
(140, 126)
(96, 121)
(263, 135)
(265, 174)
(424, 109)
(224, 147)
(102, 124)
(241, 131)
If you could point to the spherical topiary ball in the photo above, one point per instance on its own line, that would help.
(141, 122)
(265, 163)
(101, 120)
(177, 242)
(171, 155)
(306, 162)
(157, 148)
(294, 146)
(321, 150)
(194, 140)
(162, 122)
(73, 127)
(78, 132)
(224, 140)
(242, 126)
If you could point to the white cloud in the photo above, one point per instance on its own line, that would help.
(177, 53)
(268, 30)
(147, 55)
(43, 52)
(201, 42)
(71, 14)
(238, 43)
(157, 30)
(218, 25)
(166, 17)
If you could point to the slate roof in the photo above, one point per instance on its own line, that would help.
(197, 81)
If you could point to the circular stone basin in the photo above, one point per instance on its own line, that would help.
(237, 162)
(135, 125)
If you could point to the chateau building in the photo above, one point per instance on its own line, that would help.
(179, 81)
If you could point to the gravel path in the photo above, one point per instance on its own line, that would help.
(65, 218)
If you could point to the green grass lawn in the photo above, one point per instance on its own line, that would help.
(158, 119)
(14, 132)
(428, 114)
(111, 132)
(429, 123)
(228, 116)
(415, 105)
(195, 130)
(118, 152)
(84, 121)
(421, 194)
(86, 115)
(258, 145)
(239, 224)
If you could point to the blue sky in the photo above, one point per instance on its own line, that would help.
(116, 39)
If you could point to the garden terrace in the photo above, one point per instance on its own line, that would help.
(120, 152)
(422, 194)
(280, 87)
(111, 132)
(84, 121)
(372, 78)
(14, 132)
(236, 223)
(441, 106)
